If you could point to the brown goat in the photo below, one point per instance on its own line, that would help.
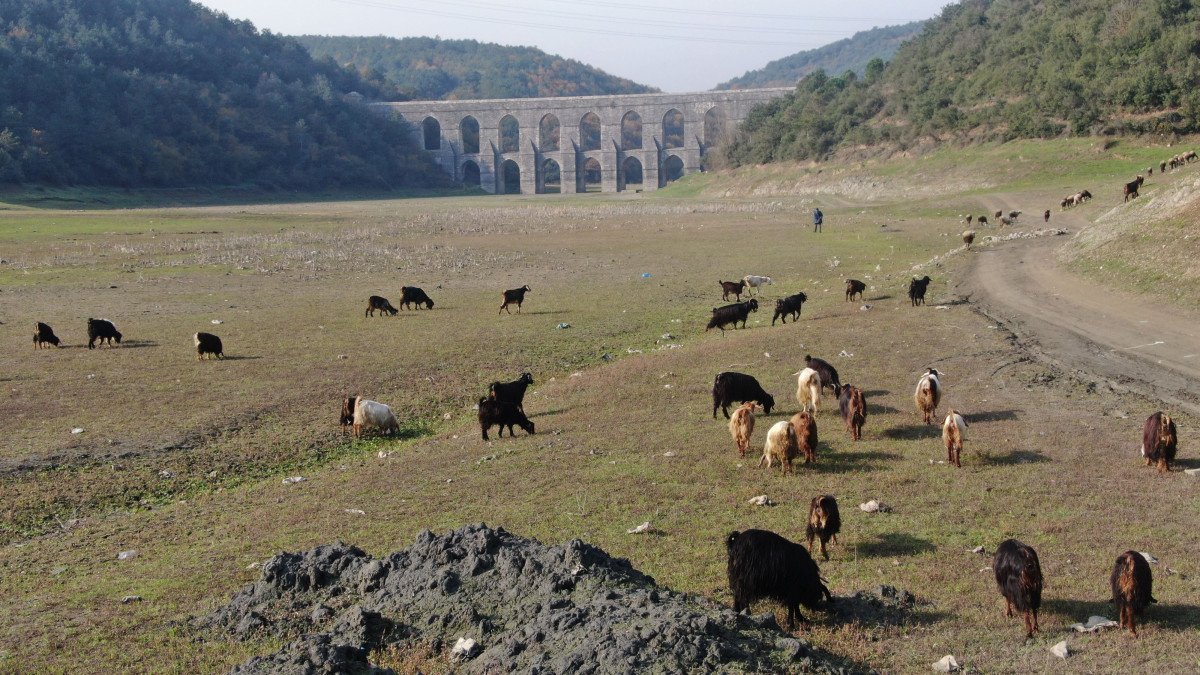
(741, 426)
(953, 435)
(824, 522)
(1132, 588)
(514, 296)
(806, 435)
(853, 404)
(1159, 441)
(928, 394)
(729, 288)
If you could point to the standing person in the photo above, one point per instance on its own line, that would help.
(818, 218)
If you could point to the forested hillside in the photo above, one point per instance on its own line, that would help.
(853, 53)
(428, 68)
(166, 92)
(1001, 69)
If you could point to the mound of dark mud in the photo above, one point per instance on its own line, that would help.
(531, 607)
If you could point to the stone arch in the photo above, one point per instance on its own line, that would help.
(589, 132)
(470, 173)
(631, 131)
(468, 129)
(593, 174)
(551, 177)
(510, 178)
(672, 169)
(714, 126)
(672, 129)
(631, 173)
(431, 129)
(549, 130)
(509, 134)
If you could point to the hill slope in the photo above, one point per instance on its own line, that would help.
(430, 68)
(852, 53)
(166, 92)
(1001, 69)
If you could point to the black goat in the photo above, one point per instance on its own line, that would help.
(207, 343)
(916, 290)
(730, 387)
(1132, 588)
(514, 296)
(792, 304)
(824, 522)
(731, 314)
(512, 392)
(411, 294)
(1019, 577)
(502, 414)
(854, 287)
(102, 330)
(381, 304)
(764, 565)
(829, 374)
(44, 335)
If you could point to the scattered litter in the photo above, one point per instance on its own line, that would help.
(254, 565)
(669, 453)
(1094, 624)
(166, 473)
(667, 386)
(761, 500)
(606, 356)
(77, 430)
(947, 665)
(845, 354)
(342, 357)
(875, 506)
(357, 512)
(645, 275)
(383, 455)
(465, 649)
(1192, 472)
(1060, 650)
(573, 375)
(449, 481)
(127, 555)
(446, 416)
(58, 570)
(217, 322)
(984, 569)
(131, 598)
(1149, 558)
(941, 307)
(977, 549)
(212, 474)
(641, 529)
(767, 355)
(91, 376)
(294, 479)
(631, 350)
(668, 336)
(864, 308)
(563, 325)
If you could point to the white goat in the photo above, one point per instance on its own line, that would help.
(808, 389)
(373, 414)
(928, 394)
(781, 444)
(753, 281)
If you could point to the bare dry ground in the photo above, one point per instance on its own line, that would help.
(1051, 456)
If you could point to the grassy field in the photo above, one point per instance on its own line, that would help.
(183, 460)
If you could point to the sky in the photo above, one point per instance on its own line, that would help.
(675, 45)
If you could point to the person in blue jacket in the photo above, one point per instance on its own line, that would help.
(818, 218)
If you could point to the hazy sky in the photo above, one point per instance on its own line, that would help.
(675, 45)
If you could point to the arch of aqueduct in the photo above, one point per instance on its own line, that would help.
(588, 142)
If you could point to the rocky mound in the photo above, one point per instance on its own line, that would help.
(530, 607)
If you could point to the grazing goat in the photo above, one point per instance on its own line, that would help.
(102, 330)
(514, 296)
(1131, 188)
(1066, 203)
(829, 374)
(208, 344)
(741, 426)
(1084, 196)
(792, 304)
(928, 394)
(808, 389)
(753, 281)
(982, 220)
(512, 392)
(969, 219)
(764, 565)
(954, 432)
(360, 413)
(1132, 588)
(968, 238)
(729, 288)
(44, 335)
(781, 444)
(376, 302)
(854, 287)
(1005, 220)
(502, 414)
(1019, 578)
(410, 295)
(731, 315)
(1162, 167)
(824, 522)
(1159, 440)
(1046, 216)
(1189, 156)
(916, 290)
(1014, 214)
(730, 387)
(806, 435)
(999, 213)
(853, 404)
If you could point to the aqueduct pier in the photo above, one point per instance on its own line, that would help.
(577, 143)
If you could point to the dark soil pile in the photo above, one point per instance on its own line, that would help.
(531, 607)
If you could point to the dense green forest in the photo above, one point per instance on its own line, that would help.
(425, 68)
(166, 92)
(853, 53)
(999, 70)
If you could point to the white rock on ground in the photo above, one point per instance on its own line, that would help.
(946, 665)
(465, 649)
(640, 529)
(761, 500)
(127, 555)
(294, 479)
(1060, 650)
(1192, 472)
(1094, 624)
(875, 506)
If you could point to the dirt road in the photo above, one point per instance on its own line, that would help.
(1121, 338)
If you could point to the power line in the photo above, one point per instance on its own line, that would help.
(717, 12)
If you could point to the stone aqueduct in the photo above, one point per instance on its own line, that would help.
(577, 144)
